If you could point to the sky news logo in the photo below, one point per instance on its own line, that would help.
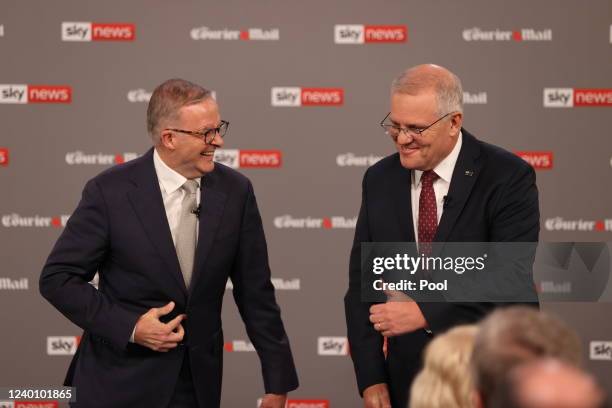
(332, 346)
(577, 225)
(18, 221)
(538, 160)
(296, 96)
(519, 35)
(240, 346)
(249, 159)
(20, 94)
(250, 34)
(87, 31)
(334, 222)
(601, 350)
(14, 284)
(62, 345)
(278, 283)
(80, 158)
(368, 34)
(575, 97)
(4, 156)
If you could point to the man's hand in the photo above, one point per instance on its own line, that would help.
(152, 333)
(376, 396)
(273, 401)
(399, 315)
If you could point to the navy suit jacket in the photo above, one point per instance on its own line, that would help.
(120, 229)
(495, 201)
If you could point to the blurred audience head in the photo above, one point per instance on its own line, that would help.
(445, 380)
(548, 383)
(514, 335)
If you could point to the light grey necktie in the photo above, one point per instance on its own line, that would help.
(186, 233)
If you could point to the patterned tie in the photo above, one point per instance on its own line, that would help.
(186, 233)
(428, 213)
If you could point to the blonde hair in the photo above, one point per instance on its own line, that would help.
(445, 380)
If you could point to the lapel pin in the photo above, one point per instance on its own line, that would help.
(469, 173)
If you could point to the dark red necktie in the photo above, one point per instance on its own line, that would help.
(428, 213)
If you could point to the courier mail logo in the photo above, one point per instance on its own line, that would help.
(62, 345)
(18, 221)
(80, 158)
(334, 222)
(20, 94)
(575, 97)
(278, 283)
(367, 34)
(239, 346)
(600, 350)
(87, 31)
(538, 160)
(580, 225)
(14, 284)
(520, 35)
(250, 34)
(301, 403)
(142, 95)
(332, 346)
(295, 96)
(245, 159)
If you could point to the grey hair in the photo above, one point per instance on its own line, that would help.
(166, 101)
(446, 85)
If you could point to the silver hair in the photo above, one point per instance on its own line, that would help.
(447, 86)
(166, 101)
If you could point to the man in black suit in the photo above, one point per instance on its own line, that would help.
(166, 231)
(443, 185)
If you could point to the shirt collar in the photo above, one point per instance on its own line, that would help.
(445, 168)
(169, 179)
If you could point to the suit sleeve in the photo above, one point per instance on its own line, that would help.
(78, 253)
(515, 217)
(254, 296)
(366, 344)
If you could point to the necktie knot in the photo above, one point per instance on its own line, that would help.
(428, 177)
(190, 186)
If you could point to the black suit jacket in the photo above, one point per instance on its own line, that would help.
(497, 201)
(120, 229)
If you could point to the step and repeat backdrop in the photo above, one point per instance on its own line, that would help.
(304, 85)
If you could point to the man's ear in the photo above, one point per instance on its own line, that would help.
(167, 139)
(456, 122)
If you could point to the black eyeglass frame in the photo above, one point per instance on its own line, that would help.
(208, 135)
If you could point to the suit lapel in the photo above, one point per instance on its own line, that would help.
(146, 199)
(465, 174)
(401, 187)
(212, 203)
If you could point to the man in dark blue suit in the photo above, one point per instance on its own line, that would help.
(166, 231)
(443, 185)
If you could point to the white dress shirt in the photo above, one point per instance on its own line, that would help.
(170, 183)
(444, 170)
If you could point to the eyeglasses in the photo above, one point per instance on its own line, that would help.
(208, 135)
(412, 131)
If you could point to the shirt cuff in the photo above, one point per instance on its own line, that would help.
(132, 336)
